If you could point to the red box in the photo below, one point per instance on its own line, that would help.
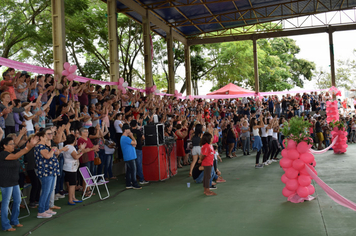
(155, 164)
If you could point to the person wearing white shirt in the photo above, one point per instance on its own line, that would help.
(70, 167)
(118, 127)
(28, 116)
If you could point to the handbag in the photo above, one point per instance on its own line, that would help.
(97, 161)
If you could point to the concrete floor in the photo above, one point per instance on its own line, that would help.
(249, 203)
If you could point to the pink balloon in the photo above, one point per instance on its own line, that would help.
(72, 69)
(285, 162)
(65, 73)
(154, 87)
(293, 153)
(66, 65)
(284, 153)
(314, 163)
(286, 192)
(303, 147)
(124, 91)
(291, 144)
(304, 171)
(311, 189)
(284, 179)
(292, 184)
(292, 173)
(298, 164)
(304, 180)
(307, 157)
(303, 191)
(121, 81)
(71, 77)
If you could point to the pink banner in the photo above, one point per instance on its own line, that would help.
(25, 67)
(41, 70)
(326, 149)
(331, 192)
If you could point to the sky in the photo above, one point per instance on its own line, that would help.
(315, 47)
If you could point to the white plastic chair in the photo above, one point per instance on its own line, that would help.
(92, 183)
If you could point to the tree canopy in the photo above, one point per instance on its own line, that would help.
(26, 35)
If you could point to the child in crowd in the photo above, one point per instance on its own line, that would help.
(220, 179)
(207, 157)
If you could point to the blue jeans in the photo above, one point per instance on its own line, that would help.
(139, 165)
(131, 173)
(60, 179)
(90, 165)
(7, 193)
(47, 188)
(108, 166)
(103, 161)
(200, 178)
(278, 112)
(30, 132)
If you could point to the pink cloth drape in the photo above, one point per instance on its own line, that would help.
(326, 149)
(331, 192)
(41, 70)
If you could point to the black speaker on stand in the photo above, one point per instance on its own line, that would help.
(154, 134)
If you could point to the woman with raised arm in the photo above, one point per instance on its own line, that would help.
(9, 181)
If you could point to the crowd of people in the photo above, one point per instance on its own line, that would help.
(51, 126)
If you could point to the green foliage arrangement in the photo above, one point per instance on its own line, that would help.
(297, 130)
(340, 125)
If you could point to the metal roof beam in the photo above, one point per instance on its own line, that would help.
(189, 3)
(153, 19)
(243, 15)
(324, 29)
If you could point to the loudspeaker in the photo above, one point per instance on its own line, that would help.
(154, 134)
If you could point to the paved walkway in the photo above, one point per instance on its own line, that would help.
(250, 203)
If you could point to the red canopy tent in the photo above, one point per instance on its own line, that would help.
(231, 89)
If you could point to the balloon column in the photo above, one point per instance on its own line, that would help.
(340, 144)
(296, 178)
(332, 113)
(69, 71)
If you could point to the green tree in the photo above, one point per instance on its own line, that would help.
(344, 75)
(19, 22)
(279, 68)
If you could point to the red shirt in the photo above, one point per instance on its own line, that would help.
(89, 145)
(208, 151)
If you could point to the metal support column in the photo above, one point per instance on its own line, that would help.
(332, 60)
(147, 49)
(113, 41)
(188, 75)
(255, 63)
(171, 76)
(58, 35)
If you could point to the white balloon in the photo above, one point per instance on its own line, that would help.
(125, 84)
(157, 91)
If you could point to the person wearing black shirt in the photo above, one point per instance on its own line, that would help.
(139, 137)
(319, 133)
(9, 178)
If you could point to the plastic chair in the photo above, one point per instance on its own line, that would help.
(92, 183)
(23, 199)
